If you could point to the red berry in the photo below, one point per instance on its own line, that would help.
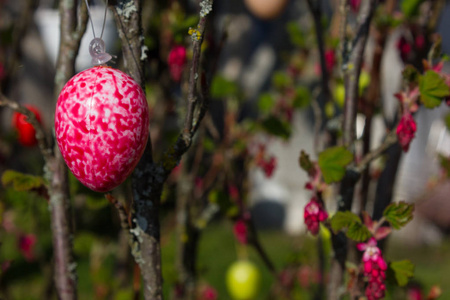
(26, 132)
(101, 125)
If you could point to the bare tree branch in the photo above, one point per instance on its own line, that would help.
(73, 26)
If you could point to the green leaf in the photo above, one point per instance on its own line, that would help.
(22, 182)
(281, 80)
(343, 219)
(447, 121)
(399, 214)
(358, 232)
(266, 102)
(432, 89)
(221, 87)
(296, 35)
(410, 7)
(301, 98)
(277, 127)
(403, 270)
(332, 163)
(411, 74)
(445, 164)
(305, 162)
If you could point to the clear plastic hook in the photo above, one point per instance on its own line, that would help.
(98, 53)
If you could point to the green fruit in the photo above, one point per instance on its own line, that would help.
(243, 280)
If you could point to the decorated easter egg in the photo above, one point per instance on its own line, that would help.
(101, 126)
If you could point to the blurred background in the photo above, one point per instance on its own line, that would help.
(268, 65)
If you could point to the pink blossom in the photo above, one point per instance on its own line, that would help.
(354, 5)
(233, 192)
(405, 131)
(26, 246)
(404, 48)
(414, 293)
(240, 231)
(209, 293)
(419, 41)
(177, 61)
(374, 269)
(313, 215)
(2, 71)
(268, 165)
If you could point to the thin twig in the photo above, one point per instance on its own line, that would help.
(121, 209)
(353, 69)
(391, 139)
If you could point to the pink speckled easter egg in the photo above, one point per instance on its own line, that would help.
(101, 125)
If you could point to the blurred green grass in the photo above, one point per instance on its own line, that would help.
(217, 251)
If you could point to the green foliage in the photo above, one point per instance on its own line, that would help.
(226, 206)
(447, 121)
(410, 7)
(222, 87)
(403, 270)
(332, 163)
(296, 35)
(276, 127)
(445, 164)
(22, 182)
(399, 214)
(432, 89)
(266, 102)
(356, 230)
(302, 96)
(83, 243)
(281, 80)
(411, 74)
(305, 163)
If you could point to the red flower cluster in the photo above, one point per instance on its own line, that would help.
(176, 61)
(240, 231)
(374, 269)
(26, 246)
(314, 214)
(266, 162)
(209, 293)
(268, 165)
(405, 131)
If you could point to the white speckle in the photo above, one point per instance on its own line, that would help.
(127, 9)
(144, 50)
(206, 6)
(107, 112)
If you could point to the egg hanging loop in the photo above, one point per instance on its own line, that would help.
(97, 48)
(98, 53)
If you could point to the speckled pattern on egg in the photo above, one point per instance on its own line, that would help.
(101, 125)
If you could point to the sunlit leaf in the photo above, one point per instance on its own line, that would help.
(399, 214)
(277, 127)
(266, 102)
(22, 182)
(221, 87)
(332, 163)
(403, 270)
(410, 8)
(356, 230)
(342, 219)
(432, 89)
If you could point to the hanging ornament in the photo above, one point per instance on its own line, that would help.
(101, 122)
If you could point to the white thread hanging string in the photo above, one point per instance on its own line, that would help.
(97, 48)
